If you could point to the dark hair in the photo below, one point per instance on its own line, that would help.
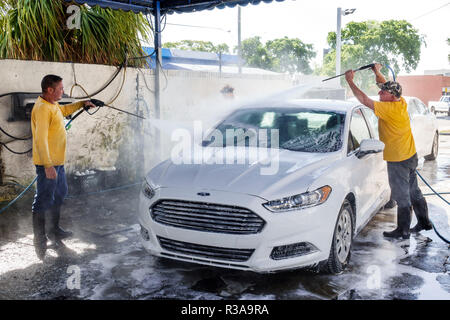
(49, 81)
(227, 89)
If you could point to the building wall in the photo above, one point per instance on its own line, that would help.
(425, 87)
(111, 138)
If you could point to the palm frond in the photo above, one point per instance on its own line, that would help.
(36, 30)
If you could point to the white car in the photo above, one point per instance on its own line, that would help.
(443, 105)
(330, 181)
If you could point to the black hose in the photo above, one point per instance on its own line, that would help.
(15, 138)
(15, 152)
(17, 92)
(106, 85)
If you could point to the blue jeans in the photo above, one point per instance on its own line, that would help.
(49, 192)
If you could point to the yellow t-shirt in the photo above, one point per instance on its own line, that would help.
(395, 130)
(49, 134)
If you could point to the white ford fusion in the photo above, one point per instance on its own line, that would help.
(305, 176)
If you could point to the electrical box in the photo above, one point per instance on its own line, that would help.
(22, 104)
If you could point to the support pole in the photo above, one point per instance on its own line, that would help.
(158, 55)
(338, 42)
(239, 40)
(157, 37)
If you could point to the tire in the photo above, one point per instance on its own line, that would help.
(448, 113)
(342, 241)
(432, 110)
(434, 149)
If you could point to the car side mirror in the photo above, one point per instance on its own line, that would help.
(369, 146)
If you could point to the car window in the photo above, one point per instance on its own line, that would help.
(372, 120)
(421, 107)
(412, 108)
(358, 130)
(299, 129)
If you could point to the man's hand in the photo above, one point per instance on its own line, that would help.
(89, 104)
(50, 173)
(377, 67)
(349, 75)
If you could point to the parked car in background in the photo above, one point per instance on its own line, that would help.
(331, 180)
(443, 105)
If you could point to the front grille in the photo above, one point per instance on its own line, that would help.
(192, 249)
(207, 217)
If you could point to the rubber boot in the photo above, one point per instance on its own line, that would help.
(56, 233)
(39, 240)
(403, 224)
(423, 221)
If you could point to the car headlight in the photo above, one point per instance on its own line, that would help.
(147, 190)
(299, 201)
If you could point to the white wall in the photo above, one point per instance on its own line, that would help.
(110, 138)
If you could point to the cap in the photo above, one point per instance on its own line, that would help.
(392, 87)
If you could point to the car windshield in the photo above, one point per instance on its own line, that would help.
(304, 130)
(445, 99)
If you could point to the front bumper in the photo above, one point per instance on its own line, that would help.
(312, 225)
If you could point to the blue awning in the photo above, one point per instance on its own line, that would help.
(169, 6)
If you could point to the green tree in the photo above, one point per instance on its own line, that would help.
(256, 54)
(37, 30)
(394, 42)
(280, 55)
(291, 55)
(197, 45)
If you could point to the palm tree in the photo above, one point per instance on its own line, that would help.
(36, 30)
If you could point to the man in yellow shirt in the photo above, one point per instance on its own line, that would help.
(400, 152)
(49, 152)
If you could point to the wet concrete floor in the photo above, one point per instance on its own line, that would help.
(105, 260)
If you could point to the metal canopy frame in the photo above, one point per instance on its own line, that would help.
(169, 6)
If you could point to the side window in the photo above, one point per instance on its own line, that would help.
(412, 108)
(422, 108)
(358, 130)
(372, 121)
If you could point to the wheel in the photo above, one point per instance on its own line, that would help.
(448, 113)
(434, 149)
(432, 110)
(342, 241)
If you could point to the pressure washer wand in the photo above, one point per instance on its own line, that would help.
(362, 68)
(100, 103)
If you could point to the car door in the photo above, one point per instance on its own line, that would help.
(380, 175)
(417, 127)
(429, 126)
(362, 171)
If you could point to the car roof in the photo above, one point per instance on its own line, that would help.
(377, 98)
(316, 104)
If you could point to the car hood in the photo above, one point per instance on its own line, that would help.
(276, 175)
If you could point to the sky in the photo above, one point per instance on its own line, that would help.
(310, 21)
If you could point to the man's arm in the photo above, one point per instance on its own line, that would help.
(361, 96)
(42, 121)
(379, 78)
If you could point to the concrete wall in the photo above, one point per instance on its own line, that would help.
(426, 88)
(110, 138)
